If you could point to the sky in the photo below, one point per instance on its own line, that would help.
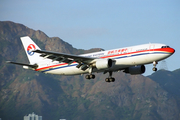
(106, 24)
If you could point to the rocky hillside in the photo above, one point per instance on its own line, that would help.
(56, 97)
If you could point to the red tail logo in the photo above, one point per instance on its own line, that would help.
(30, 48)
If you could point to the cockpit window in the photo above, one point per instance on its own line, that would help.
(165, 47)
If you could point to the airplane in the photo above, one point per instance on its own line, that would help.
(128, 59)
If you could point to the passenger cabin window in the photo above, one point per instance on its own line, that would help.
(165, 47)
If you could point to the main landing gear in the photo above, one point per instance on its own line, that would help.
(154, 64)
(110, 78)
(90, 76)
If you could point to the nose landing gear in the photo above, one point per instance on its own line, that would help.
(154, 64)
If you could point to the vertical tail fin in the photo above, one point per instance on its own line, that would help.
(29, 46)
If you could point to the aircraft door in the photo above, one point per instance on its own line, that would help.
(151, 48)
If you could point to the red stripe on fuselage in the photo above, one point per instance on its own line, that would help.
(52, 66)
(169, 50)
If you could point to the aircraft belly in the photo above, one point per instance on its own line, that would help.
(68, 70)
(156, 57)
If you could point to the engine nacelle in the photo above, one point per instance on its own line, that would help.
(135, 70)
(103, 63)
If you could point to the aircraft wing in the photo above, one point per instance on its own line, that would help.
(62, 57)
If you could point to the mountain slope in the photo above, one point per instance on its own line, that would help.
(21, 91)
(169, 81)
(73, 97)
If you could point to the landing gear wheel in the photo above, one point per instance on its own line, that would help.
(87, 77)
(154, 69)
(107, 80)
(91, 76)
(110, 79)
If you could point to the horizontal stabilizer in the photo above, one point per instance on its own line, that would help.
(23, 64)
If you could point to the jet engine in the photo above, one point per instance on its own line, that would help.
(103, 63)
(135, 70)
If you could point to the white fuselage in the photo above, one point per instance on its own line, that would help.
(123, 58)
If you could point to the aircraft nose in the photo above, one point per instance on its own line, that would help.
(171, 50)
